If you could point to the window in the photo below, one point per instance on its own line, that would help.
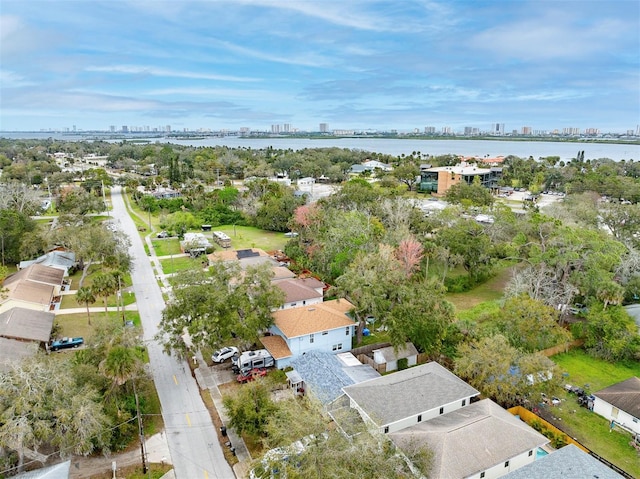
(419, 417)
(506, 464)
(347, 330)
(441, 410)
(311, 338)
(482, 474)
(293, 304)
(464, 402)
(531, 453)
(303, 302)
(324, 333)
(337, 347)
(386, 429)
(614, 412)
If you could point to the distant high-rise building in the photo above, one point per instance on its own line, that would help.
(167, 128)
(446, 130)
(429, 130)
(571, 131)
(125, 129)
(275, 128)
(498, 129)
(286, 127)
(324, 127)
(112, 128)
(526, 130)
(595, 131)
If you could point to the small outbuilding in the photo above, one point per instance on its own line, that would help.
(388, 357)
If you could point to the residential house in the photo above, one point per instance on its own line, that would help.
(620, 403)
(301, 292)
(246, 257)
(388, 357)
(318, 327)
(36, 287)
(439, 179)
(400, 400)
(325, 374)
(481, 440)
(58, 471)
(55, 259)
(306, 181)
(570, 462)
(22, 332)
(370, 166)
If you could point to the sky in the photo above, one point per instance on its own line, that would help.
(352, 64)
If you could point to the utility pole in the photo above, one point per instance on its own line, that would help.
(104, 198)
(140, 432)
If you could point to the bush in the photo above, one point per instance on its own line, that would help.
(403, 363)
(458, 284)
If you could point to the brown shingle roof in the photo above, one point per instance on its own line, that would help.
(21, 323)
(31, 292)
(624, 395)
(281, 273)
(297, 290)
(37, 273)
(295, 322)
(276, 346)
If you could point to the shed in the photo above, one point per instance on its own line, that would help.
(295, 381)
(389, 356)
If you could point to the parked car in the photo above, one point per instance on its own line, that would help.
(66, 343)
(223, 354)
(163, 234)
(249, 375)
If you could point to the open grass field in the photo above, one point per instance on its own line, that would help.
(181, 263)
(243, 237)
(489, 291)
(587, 427)
(74, 325)
(166, 247)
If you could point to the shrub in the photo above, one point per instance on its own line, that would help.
(403, 363)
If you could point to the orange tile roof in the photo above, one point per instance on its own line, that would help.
(296, 322)
(276, 346)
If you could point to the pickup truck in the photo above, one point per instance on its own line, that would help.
(66, 343)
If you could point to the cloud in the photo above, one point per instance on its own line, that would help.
(163, 72)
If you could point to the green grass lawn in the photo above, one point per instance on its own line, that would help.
(174, 265)
(488, 291)
(74, 325)
(599, 374)
(587, 427)
(243, 237)
(166, 247)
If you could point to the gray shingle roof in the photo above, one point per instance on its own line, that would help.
(624, 395)
(471, 439)
(22, 323)
(389, 353)
(570, 462)
(325, 375)
(409, 392)
(13, 351)
(59, 471)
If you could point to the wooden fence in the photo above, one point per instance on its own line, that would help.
(562, 348)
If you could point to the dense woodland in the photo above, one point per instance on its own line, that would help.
(392, 261)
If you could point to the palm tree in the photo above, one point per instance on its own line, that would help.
(104, 284)
(86, 296)
(121, 365)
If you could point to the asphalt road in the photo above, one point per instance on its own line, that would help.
(191, 435)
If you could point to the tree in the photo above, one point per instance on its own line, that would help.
(14, 228)
(468, 239)
(85, 296)
(530, 325)
(407, 173)
(409, 253)
(217, 305)
(250, 409)
(123, 363)
(104, 285)
(41, 404)
(469, 194)
(503, 373)
(609, 333)
(80, 202)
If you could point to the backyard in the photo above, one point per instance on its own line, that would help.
(585, 426)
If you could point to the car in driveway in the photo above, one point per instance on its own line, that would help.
(66, 343)
(223, 354)
(163, 234)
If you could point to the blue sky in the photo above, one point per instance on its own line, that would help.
(393, 64)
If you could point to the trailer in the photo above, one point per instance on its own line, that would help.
(248, 360)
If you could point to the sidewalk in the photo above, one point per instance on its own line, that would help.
(95, 309)
(206, 379)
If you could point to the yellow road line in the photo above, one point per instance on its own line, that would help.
(206, 474)
(175, 379)
(188, 420)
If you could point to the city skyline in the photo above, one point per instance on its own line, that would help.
(351, 65)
